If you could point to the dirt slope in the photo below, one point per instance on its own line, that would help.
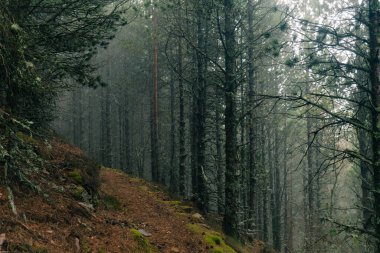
(60, 219)
(130, 215)
(146, 209)
(61, 224)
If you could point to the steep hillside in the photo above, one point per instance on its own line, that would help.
(61, 201)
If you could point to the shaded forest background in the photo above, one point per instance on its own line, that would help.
(302, 182)
(265, 113)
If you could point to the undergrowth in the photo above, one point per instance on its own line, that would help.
(111, 203)
(214, 239)
(19, 160)
(142, 243)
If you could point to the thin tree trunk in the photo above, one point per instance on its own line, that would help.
(182, 124)
(251, 149)
(108, 135)
(374, 62)
(90, 127)
(219, 156)
(231, 216)
(127, 137)
(154, 123)
(173, 168)
(277, 192)
(122, 145)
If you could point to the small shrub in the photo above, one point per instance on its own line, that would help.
(76, 176)
(142, 242)
(78, 192)
(111, 203)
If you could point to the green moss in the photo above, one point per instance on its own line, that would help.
(212, 238)
(173, 202)
(111, 203)
(102, 251)
(26, 138)
(142, 243)
(136, 180)
(25, 248)
(144, 188)
(76, 176)
(85, 247)
(78, 192)
(236, 244)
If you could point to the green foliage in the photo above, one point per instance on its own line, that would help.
(26, 138)
(47, 45)
(25, 248)
(142, 242)
(17, 152)
(284, 26)
(76, 176)
(291, 62)
(78, 192)
(85, 247)
(212, 238)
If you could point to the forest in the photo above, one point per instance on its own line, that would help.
(264, 114)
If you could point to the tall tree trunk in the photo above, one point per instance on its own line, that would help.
(200, 118)
(182, 124)
(108, 134)
(251, 148)
(219, 155)
(154, 120)
(272, 175)
(231, 216)
(264, 188)
(102, 127)
(288, 212)
(127, 136)
(90, 126)
(277, 179)
(173, 168)
(374, 62)
(122, 145)
(277, 191)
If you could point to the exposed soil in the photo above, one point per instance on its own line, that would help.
(145, 208)
(131, 215)
(55, 221)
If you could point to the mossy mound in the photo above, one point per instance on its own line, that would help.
(214, 239)
(76, 176)
(142, 243)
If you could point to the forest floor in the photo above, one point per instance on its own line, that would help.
(132, 215)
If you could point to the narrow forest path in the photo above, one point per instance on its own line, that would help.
(131, 215)
(124, 214)
(152, 212)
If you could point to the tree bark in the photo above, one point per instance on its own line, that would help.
(374, 61)
(231, 216)
(173, 169)
(182, 124)
(154, 120)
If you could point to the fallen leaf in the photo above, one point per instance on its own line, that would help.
(174, 250)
